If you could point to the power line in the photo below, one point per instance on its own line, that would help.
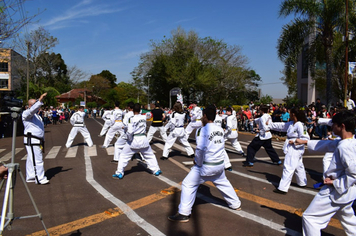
(270, 83)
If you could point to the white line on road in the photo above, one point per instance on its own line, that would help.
(72, 152)
(132, 215)
(9, 155)
(53, 152)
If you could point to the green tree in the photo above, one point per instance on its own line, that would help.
(109, 76)
(37, 44)
(267, 99)
(206, 69)
(318, 21)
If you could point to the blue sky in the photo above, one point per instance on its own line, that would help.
(110, 35)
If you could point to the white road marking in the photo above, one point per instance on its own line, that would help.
(132, 215)
(53, 152)
(92, 151)
(9, 155)
(72, 152)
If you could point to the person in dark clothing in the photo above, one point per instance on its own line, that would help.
(157, 123)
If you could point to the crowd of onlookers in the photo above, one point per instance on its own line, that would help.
(280, 113)
(245, 116)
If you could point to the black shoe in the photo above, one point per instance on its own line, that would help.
(247, 164)
(191, 156)
(229, 168)
(279, 191)
(164, 158)
(243, 155)
(179, 218)
(113, 162)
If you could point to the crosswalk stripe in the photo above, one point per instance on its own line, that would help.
(24, 158)
(1, 150)
(8, 155)
(110, 150)
(53, 152)
(72, 152)
(92, 151)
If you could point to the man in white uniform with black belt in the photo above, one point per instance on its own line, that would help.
(34, 141)
(77, 120)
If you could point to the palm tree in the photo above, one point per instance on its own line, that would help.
(319, 20)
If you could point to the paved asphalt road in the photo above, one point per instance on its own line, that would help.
(83, 199)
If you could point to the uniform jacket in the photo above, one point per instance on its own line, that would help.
(342, 168)
(136, 132)
(294, 131)
(116, 116)
(77, 119)
(32, 121)
(196, 114)
(209, 153)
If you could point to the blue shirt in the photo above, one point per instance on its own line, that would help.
(285, 116)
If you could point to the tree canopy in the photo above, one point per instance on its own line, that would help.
(312, 34)
(206, 69)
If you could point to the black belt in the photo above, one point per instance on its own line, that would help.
(29, 143)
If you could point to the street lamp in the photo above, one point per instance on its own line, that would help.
(148, 92)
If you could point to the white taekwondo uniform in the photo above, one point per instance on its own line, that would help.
(293, 162)
(34, 140)
(209, 166)
(218, 121)
(77, 120)
(337, 198)
(231, 133)
(328, 155)
(137, 142)
(116, 126)
(107, 122)
(121, 141)
(196, 114)
(176, 126)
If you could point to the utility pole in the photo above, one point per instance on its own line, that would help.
(28, 69)
(148, 92)
(346, 50)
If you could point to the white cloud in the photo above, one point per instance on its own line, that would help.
(78, 12)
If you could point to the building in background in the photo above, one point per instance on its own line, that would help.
(10, 64)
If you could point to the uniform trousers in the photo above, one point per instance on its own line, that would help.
(320, 211)
(85, 133)
(105, 128)
(117, 127)
(235, 144)
(34, 164)
(127, 153)
(191, 126)
(118, 146)
(227, 162)
(293, 163)
(177, 133)
(190, 186)
(153, 130)
(256, 144)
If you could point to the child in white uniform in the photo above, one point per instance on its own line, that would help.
(339, 192)
(293, 162)
(137, 142)
(176, 125)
